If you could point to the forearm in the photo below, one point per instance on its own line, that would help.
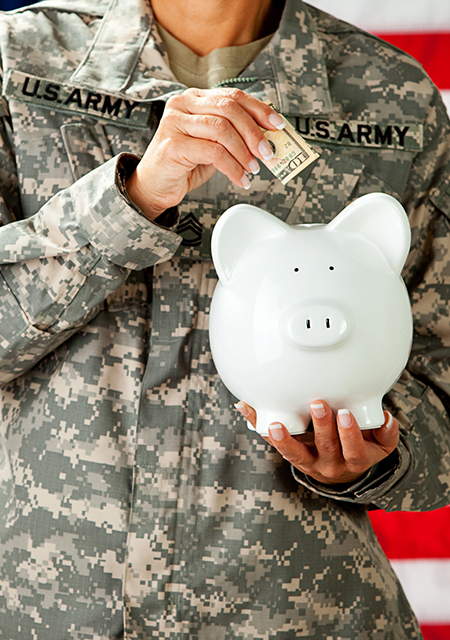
(416, 476)
(60, 265)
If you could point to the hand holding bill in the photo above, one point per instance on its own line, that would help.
(201, 131)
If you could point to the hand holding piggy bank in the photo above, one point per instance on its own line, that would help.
(312, 311)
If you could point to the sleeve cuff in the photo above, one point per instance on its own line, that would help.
(113, 226)
(126, 164)
(374, 484)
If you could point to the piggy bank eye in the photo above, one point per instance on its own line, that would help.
(296, 270)
(331, 268)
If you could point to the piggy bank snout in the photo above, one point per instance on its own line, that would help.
(317, 326)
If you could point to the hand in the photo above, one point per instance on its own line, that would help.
(336, 451)
(201, 131)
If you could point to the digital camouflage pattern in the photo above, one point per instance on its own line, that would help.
(134, 502)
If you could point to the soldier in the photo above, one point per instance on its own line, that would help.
(134, 501)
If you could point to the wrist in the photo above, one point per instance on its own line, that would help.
(126, 184)
(141, 200)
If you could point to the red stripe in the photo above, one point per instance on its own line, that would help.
(405, 535)
(432, 50)
(435, 632)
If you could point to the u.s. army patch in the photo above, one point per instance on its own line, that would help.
(65, 97)
(379, 135)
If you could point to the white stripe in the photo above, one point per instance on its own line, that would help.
(446, 97)
(426, 584)
(391, 16)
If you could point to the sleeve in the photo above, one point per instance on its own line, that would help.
(417, 475)
(57, 267)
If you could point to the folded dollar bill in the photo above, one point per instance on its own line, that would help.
(291, 153)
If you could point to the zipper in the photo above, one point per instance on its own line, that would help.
(240, 80)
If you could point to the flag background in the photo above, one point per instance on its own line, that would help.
(417, 544)
(419, 27)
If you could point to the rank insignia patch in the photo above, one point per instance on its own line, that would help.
(191, 230)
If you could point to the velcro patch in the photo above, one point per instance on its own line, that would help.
(379, 135)
(65, 97)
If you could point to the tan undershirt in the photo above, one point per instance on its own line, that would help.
(205, 72)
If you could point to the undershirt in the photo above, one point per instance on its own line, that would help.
(207, 71)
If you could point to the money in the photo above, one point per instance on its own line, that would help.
(291, 153)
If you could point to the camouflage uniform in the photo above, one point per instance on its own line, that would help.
(135, 503)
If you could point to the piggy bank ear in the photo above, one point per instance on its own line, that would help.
(240, 227)
(383, 221)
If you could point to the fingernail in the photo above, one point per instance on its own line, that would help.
(389, 423)
(253, 165)
(318, 410)
(276, 431)
(345, 419)
(277, 121)
(245, 182)
(240, 406)
(265, 150)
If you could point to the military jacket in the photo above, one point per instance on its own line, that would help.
(134, 501)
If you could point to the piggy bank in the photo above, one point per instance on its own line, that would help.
(311, 312)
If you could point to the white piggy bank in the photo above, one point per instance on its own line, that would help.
(311, 311)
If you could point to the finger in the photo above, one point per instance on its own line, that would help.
(355, 450)
(326, 437)
(247, 412)
(244, 112)
(294, 451)
(175, 164)
(212, 153)
(222, 131)
(193, 152)
(261, 112)
(388, 434)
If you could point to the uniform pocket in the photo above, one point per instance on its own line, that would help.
(7, 495)
(336, 180)
(313, 196)
(86, 146)
(440, 196)
(327, 190)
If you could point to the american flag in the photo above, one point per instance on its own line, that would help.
(417, 544)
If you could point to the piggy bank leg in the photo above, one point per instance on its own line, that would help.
(369, 415)
(295, 423)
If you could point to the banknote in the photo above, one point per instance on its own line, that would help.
(291, 153)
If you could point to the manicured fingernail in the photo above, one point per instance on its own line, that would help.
(245, 182)
(253, 165)
(277, 121)
(345, 419)
(276, 431)
(318, 410)
(240, 406)
(389, 423)
(265, 150)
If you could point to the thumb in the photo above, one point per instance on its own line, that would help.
(388, 434)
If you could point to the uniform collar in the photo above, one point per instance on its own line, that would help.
(125, 49)
(117, 46)
(297, 60)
